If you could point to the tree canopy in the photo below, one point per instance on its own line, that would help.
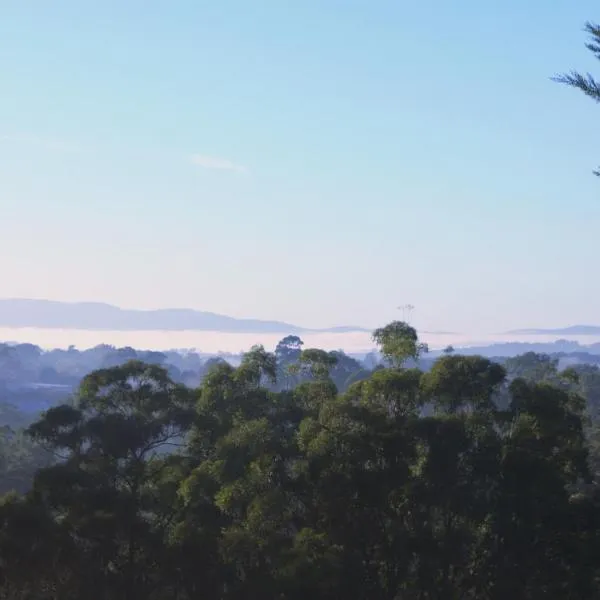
(469, 480)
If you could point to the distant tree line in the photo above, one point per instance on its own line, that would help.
(27, 364)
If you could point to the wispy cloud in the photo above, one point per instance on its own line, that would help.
(40, 142)
(215, 163)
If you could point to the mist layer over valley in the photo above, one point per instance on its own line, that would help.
(217, 341)
(51, 324)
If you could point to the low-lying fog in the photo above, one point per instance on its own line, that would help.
(210, 341)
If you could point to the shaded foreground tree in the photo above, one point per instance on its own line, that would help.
(455, 483)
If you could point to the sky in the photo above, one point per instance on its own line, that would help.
(318, 162)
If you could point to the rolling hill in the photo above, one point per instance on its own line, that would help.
(49, 314)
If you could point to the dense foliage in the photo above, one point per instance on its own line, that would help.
(458, 482)
(33, 379)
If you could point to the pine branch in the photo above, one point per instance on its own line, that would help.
(594, 31)
(586, 83)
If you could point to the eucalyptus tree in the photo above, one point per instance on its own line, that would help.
(114, 444)
(399, 342)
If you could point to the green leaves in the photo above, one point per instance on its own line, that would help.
(317, 362)
(399, 342)
(257, 366)
(459, 382)
(459, 482)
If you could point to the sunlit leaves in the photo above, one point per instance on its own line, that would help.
(399, 342)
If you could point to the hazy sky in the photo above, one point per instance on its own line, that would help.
(315, 161)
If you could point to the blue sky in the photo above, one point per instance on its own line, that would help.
(319, 162)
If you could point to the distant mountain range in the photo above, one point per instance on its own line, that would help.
(48, 314)
(572, 330)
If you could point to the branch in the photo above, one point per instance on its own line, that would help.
(585, 83)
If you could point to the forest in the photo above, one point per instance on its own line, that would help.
(471, 479)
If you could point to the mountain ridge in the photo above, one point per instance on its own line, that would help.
(99, 316)
(570, 330)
